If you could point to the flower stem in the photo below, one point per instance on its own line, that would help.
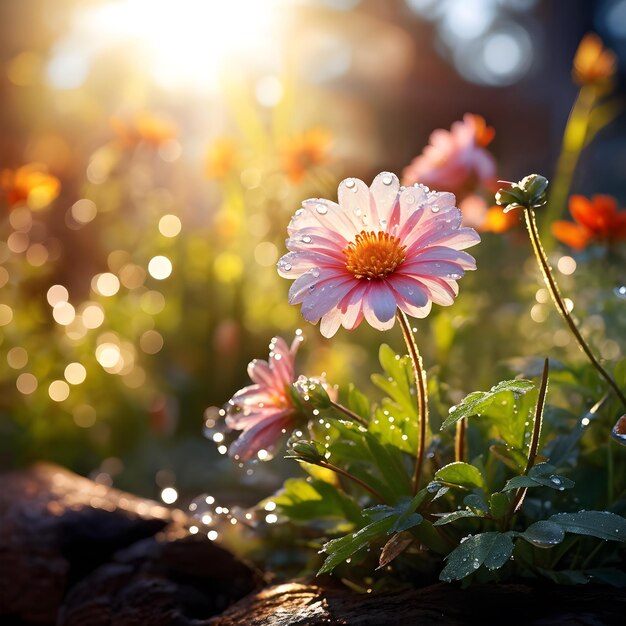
(422, 397)
(553, 288)
(459, 440)
(520, 494)
(353, 478)
(348, 413)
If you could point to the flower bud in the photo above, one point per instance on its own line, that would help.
(313, 392)
(528, 193)
(303, 450)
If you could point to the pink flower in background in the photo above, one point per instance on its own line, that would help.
(380, 248)
(264, 411)
(455, 160)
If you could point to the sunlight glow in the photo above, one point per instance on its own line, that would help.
(184, 44)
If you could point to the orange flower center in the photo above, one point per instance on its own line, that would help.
(374, 255)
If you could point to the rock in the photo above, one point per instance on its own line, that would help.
(64, 537)
(300, 604)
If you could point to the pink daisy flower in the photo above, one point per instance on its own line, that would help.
(457, 161)
(264, 411)
(378, 249)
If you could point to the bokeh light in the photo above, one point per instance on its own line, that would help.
(170, 226)
(59, 390)
(160, 267)
(75, 373)
(26, 383)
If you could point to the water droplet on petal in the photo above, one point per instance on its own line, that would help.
(349, 183)
(434, 208)
(286, 267)
(410, 198)
(387, 179)
(306, 239)
(620, 292)
(322, 209)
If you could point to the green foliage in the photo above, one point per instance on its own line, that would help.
(600, 524)
(491, 549)
(540, 475)
(461, 475)
(304, 501)
(396, 418)
(479, 402)
(386, 520)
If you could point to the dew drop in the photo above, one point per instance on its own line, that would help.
(387, 179)
(410, 198)
(286, 267)
(620, 292)
(306, 239)
(322, 209)
(349, 183)
(434, 209)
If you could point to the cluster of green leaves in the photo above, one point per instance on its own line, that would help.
(470, 513)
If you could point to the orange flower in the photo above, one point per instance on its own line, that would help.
(497, 221)
(304, 151)
(593, 63)
(144, 127)
(595, 219)
(31, 185)
(221, 158)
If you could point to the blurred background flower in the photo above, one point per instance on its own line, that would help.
(151, 154)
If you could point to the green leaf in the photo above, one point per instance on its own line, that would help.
(544, 534)
(600, 524)
(303, 501)
(447, 518)
(490, 549)
(339, 550)
(461, 475)
(478, 401)
(396, 419)
(386, 520)
(541, 475)
(499, 504)
(476, 502)
(358, 402)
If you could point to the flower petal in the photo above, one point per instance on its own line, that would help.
(262, 436)
(379, 305)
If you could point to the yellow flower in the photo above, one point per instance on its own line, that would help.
(221, 158)
(31, 185)
(304, 151)
(593, 63)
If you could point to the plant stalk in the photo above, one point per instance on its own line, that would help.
(354, 479)
(348, 413)
(520, 494)
(422, 398)
(459, 440)
(553, 288)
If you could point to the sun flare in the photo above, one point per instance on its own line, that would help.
(184, 44)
